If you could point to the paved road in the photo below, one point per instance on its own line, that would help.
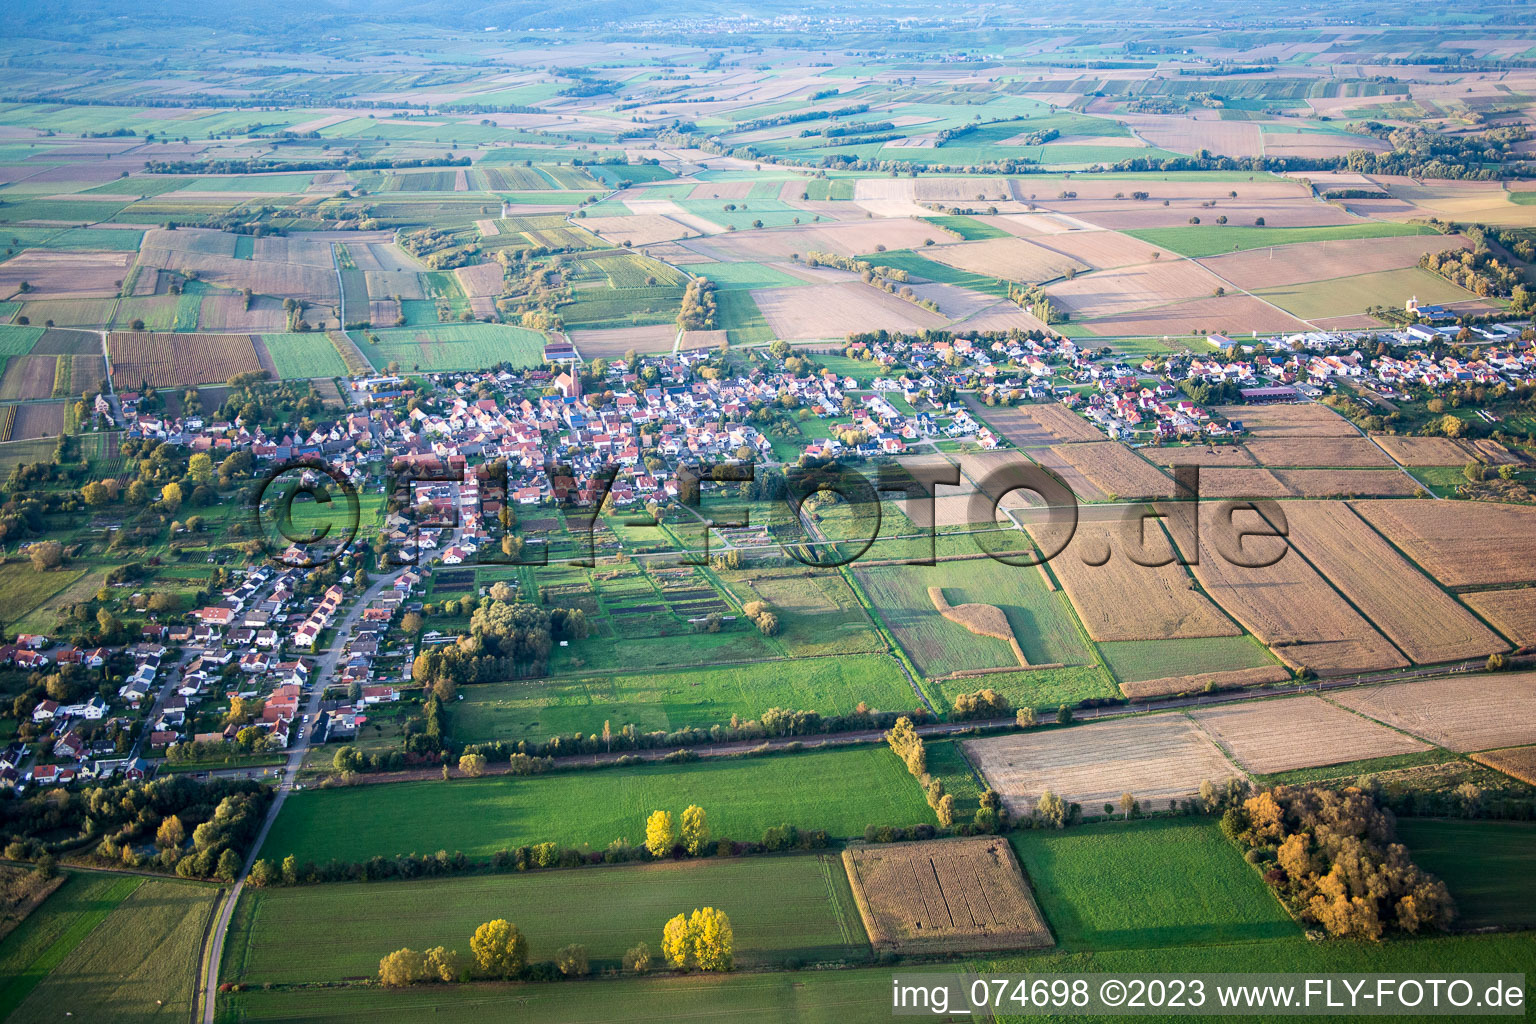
(325, 670)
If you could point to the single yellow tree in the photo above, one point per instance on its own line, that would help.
(441, 964)
(695, 830)
(500, 949)
(472, 765)
(402, 967)
(713, 940)
(170, 494)
(677, 943)
(660, 833)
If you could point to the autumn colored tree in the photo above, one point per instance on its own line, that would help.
(400, 968)
(441, 964)
(660, 833)
(472, 765)
(499, 948)
(695, 830)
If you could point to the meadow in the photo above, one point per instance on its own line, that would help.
(1135, 660)
(304, 355)
(1489, 866)
(333, 932)
(709, 695)
(841, 791)
(1160, 882)
(467, 346)
(1199, 240)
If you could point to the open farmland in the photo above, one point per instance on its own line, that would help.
(1460, 713)
(171, 360)
(1303, 420)
(443, 347)
(1334, 452)
(1122, 599)
(1276, 266)
(1225, 679)
(1270, 736)
(1126, 289)
(1423, 451)
(840, 791)
(944, 896)
(1516, 762)
(1423, 621)
(1153, 757)
(1030, 426)
(1511, 612)
(1011, 258)
(304, 355)
(1286, 603)
(1116, 470)
(1461, 544)
(835, 310)
(309, 935)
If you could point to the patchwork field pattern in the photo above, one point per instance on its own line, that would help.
(1152, 757)
(1462, 713)
(1462, 543)
(1421, 619)
(1279, 735)
(947, 895)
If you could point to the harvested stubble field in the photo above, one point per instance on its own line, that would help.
(1300, 420)
(1511, 612)
(1010, 258)
(612, 342)
(1127, 289)
(1299, 263)
(1228, 314)
(1460, 713)
(1241, 482)
(1226, 680)
(1286, 604)
(1119, 599)
(1116, 470)
(1280, 735)
(1150, 756)
(1030, 426)
(171, 360)
(944, 896)
(1423, 451)
(1460, 543)
(1200, 455)
(29, 376)
(1423, 621)
(1340, 452)
(64, 275)
(1516, 762)
(1348, 483)
(836, 310)
(1103, 249)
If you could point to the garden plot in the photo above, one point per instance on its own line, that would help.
(1270, 736)
(1152, 757)
(1460, 543)
(1461, 713)
(944, 896)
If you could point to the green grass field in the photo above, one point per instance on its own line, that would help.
(737, 314)
(969, 228)
(51, 933)
(1214, 239)
(919, 266)
(841, 791)
(1041, 619)
(1489, 866)
(139, 963)
(330, 932)
(704, 696)
(304, 355)
(467, 346)
(1162, 882)
(1345, 295)
(1133, 660)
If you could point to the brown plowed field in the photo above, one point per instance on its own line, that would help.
(29, 376)
(947, 895)
(1280, 735)
(1230, 679)
(1460, 543)
(1511, 612)
(1296, 420)
(1122, 600)
(1149, 756)
(1461, 713)
(1287, 604)
(1011, 258)
(1421, 619)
